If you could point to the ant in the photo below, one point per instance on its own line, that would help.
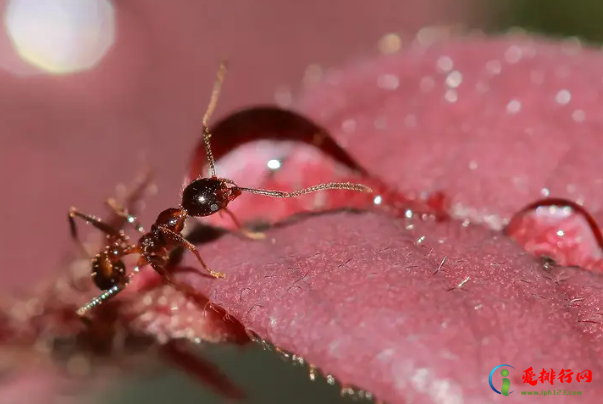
(202, 197)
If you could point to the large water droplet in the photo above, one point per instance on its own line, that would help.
(560, 230)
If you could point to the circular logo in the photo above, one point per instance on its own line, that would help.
(506, 382)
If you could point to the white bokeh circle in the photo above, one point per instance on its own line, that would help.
(61, 36)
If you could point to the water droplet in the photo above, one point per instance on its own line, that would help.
(312, 372)
(560, 230)
(348, 126)
(513, 54)
(454, 79)
(444, 64)
(494, 67)
(563, 97)
(578, 115)
(273, 164)
(451, 96)
(388, 81)
(390, 43)
(513, 106)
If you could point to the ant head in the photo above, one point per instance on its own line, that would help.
(172, 218)
(206, 196)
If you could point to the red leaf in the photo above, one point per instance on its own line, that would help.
(421, 311)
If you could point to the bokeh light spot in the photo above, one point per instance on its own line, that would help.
(61, 36)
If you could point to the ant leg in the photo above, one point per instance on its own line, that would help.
(165, 274)
(176, 238)
(122, 212)
(94, 221)
(97, 301)
(253, 235)
(131, 195)
(187, 290)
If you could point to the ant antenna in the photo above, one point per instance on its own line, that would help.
(321, 187)
(213, 101)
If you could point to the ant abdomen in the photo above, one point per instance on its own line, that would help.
(106, 274)
(206, 196)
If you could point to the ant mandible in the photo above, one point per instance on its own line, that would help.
(202, 197)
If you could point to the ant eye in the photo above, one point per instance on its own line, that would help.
(204, 197)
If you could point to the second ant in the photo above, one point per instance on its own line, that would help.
(202, 197)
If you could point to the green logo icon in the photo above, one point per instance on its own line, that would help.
(506, 385)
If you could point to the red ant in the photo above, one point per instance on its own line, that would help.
(202, 197)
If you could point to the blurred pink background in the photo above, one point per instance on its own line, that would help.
(70, 140)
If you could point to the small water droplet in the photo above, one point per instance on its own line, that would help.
(454, 79)
(273, 164)
(347, 391)
(451, 96)
(388, 81)
(348, 126)
(390, 43)
(563, 97)
(578, 115)
(494, 67)
(513, 106)
(513, 54)
(312, 372)
(444, 64)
